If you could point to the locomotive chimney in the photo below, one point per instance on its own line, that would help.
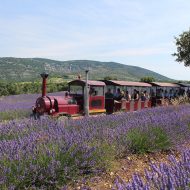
(44, 77)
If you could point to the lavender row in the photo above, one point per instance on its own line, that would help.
(20, 102)
(49, 153)
(175, 175)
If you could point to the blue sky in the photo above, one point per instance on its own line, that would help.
(132, 32)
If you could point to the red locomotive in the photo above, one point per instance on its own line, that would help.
(72, 103)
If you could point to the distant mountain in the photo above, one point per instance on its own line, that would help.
(28, 69)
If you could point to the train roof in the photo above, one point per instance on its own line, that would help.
(184, 84)
(126, 83)
(164, 84)
(83, 82)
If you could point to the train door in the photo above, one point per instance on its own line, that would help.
(96, 99)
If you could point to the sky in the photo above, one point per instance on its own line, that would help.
(131, 32)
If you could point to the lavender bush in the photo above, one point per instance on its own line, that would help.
(47, 154)
(174, 176)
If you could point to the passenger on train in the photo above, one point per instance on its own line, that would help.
(117, 95)
(142, 95)
(147, 96)
(159, 93)
(153, 97)
(120, 95)
(176, 93)
(67, 95)
(152, 94)
(163, 93)
(127, 96)
(70, 99)
(135, 95)
(188, 93)
(166, 95)
(138, 95)
(171, 94)
(182, 92)
(109, 94)
(92, 91)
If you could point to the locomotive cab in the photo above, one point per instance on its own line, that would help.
(96, 95)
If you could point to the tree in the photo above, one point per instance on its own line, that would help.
(110, 78)
(183, 48)
(3, 89)
(147, 79)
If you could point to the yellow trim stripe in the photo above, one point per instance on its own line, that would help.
(97, 111)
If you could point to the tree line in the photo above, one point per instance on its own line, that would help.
(13, 88)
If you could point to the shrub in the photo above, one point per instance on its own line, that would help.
(147, 141)
(138, 141)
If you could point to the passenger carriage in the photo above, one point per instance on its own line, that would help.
(132, 105)
(160, 92)
(184, 89)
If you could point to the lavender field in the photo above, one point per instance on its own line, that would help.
(18, 106)
(50, 154)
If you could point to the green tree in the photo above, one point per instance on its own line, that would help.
(147, 79)
(183, 48)
(110, 78)
(13, 88)
(3, 89)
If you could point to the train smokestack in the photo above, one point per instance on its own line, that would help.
(44, 77)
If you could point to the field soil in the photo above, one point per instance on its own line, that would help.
(126, 167)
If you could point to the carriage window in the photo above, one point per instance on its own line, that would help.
(78, 90)
(96, 91)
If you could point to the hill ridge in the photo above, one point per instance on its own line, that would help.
(28, 69)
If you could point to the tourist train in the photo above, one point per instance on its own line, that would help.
(86, 97)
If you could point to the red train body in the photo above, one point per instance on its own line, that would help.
(69, 104)
(55, 105)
